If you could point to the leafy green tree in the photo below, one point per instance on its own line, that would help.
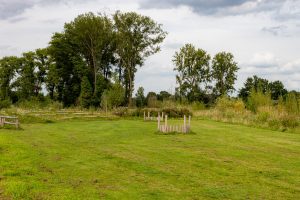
(117, 95)
(8, 70)
(137, 38)
(43, 62)
(64, 78)
(163, 95)
(140, 97)
(192, 66)
(93, 36)
(86, 93)
(224, 70)
(276, 88)
(26, 80)
(114, 96)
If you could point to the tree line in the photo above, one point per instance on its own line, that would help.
(95, 57)
(201, 78)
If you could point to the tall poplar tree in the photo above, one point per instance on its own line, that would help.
(137, 37)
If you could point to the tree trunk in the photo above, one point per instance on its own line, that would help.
(130, 89)
(95, 72)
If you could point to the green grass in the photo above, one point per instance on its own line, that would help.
(127, 159)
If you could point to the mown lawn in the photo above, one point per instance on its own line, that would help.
(127, 159)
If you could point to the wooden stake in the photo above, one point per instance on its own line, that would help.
(184, 124)
(158, 121)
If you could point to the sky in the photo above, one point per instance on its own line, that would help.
(263, 35)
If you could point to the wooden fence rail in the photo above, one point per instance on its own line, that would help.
(9, 120)
(165, 128)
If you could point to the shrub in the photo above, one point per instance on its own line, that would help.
(262, 117)
(288, 121)
(274, 124)
(292, 104)
(5, 104)
(198, 105)
(258, 99)
(113, 97)
(121, 111)
(225, 103)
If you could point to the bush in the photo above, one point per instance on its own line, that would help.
(113, 97)
(258, 99)
(292, 104)
(274, 124)
(5, 104)
(225, 103)
(198, 105)
(262, 117)
(289, 121)
(121, 111)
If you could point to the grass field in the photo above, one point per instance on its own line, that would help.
(127, 159)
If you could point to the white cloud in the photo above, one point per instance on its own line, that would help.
(264, 60)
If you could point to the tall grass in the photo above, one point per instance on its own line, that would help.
(259, 111)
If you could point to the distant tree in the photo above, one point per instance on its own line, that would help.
(8, 70)
(193, 70)
(86, 93)
(163, 95)
(276, 88)
(26, 77)
(138, 37)
(140, 97)
(52, 80)
(42, 63)
(224, 70)
(151, 99)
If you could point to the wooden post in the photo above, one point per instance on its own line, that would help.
(144, 116)
(166, 123)
(189, 122)
(17, 123)
(158, 121)
(166, 120)
(148, 115)
(184, 124)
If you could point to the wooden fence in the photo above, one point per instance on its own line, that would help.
(151, 118)
(165, 128)
(9, 120)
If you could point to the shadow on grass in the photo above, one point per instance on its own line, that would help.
(13, 128)
(175, 133)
